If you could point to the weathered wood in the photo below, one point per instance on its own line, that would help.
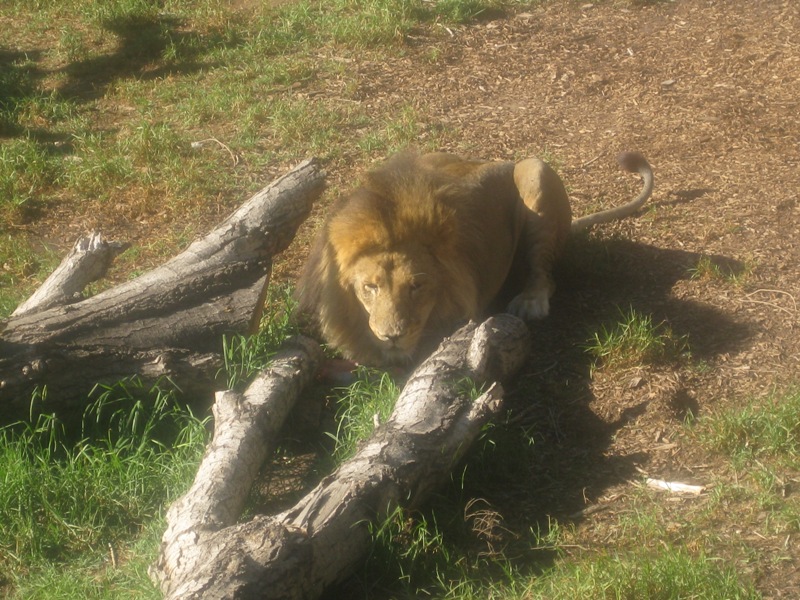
(246, 426)
(298, 553)
(169, 321)
(88, 261)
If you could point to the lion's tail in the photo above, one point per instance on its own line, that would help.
(634, 163)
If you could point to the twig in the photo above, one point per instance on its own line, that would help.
(675, 487)
(201, 143)
(447, 29)
(585, 512)
(595, 159)
(792, 312)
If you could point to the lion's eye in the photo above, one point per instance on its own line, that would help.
(371, 288)
(415, 286)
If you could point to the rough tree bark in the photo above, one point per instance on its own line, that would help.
(296, 554)
(88, 261)
(168, 322)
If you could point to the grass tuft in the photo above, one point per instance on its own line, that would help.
(707, 268)
(26, 170)
(466, 11)
(768, 428)
(408, 546)
(671, 574)
(761, 441)
(635, 340)
(367, 401)
(245, 356)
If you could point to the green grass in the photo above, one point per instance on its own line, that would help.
(26, 169)
(707, 268)
(661, 549)
(760, 439)
(669, 574)
(443, 554)
(101, 102)
(636, 340)
(461, 547)
(768, 428)
(70, 499)
(64, 504)
(369, 399)
(245, 356)
(68, 503)
(94, 576)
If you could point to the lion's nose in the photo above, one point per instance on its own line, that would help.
(391, 331)
(393, 335)
(390, 336)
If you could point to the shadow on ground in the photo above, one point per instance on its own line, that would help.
(145, 48)
(569, 465)
(141, 43)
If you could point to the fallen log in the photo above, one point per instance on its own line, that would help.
(298, 553)
(168, 322)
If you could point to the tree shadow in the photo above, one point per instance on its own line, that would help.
(550, 462)
(19, 79)
(148, 48)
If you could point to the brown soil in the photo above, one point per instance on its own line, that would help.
(708, 90)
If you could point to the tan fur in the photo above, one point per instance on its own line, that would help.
(428, 242)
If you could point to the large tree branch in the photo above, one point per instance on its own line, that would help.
(297, 553)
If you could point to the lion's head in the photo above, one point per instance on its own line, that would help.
(387, 275)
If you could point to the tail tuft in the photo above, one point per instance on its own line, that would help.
(633, 162)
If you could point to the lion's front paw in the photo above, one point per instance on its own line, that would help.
(531, 305)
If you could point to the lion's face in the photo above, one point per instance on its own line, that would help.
(398, 291)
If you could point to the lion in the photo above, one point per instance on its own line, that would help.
(430, 241)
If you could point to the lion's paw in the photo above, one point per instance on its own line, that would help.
(530, 305)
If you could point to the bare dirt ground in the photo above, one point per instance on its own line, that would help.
(708, 90)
